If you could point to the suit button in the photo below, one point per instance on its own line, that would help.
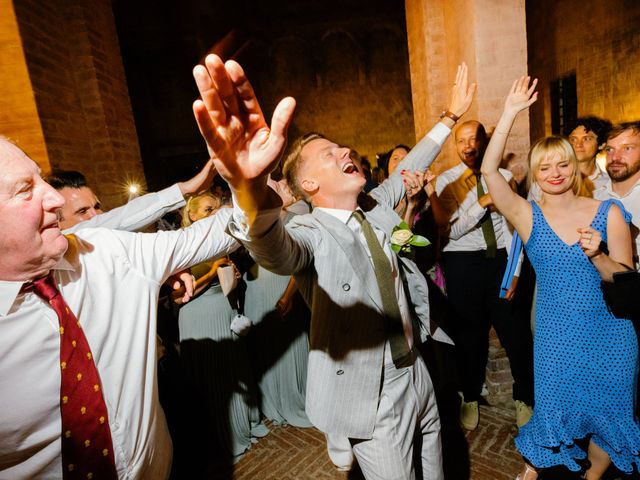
(339, 372)
(346, 287)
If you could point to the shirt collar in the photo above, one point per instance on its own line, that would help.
(597, 172)
(9, 290)
(608, 186)
(340, 214)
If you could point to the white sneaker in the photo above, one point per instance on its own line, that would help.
(523, 413)
(469, 415)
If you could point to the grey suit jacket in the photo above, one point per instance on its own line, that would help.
(334, 274)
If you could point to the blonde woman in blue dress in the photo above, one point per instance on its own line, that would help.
(585, 359)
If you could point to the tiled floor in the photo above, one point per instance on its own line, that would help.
(289, 453)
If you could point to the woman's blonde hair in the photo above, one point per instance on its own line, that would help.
(547, 147)
(193, 203)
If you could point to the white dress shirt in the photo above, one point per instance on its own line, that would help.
(110, 280)
(631, 201)
(465, 233)
(137, 213)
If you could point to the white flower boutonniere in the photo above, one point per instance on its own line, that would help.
(402, 239)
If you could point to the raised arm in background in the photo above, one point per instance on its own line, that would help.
(515, 208)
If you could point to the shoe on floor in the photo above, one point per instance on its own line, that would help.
(523, 413)
(469, 415)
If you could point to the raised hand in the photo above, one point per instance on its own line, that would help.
(201, 181)
(521, 95)
(461, 93)
(244, 148)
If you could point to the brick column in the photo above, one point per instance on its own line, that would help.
(77, 79)
(490, 37)
(19, 119)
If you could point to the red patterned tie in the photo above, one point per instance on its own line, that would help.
(87, 450)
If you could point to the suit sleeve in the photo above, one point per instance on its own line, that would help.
(138, 213)
(284, 250)
(392, 190)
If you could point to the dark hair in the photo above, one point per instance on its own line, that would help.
(618, 129)
(60, 179)
(293, 160)
(591, 123)
(387, 157)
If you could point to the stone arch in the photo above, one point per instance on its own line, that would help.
(383, 43)
(340, 59)
(292, 64)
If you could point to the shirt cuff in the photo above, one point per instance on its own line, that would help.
(439, 133)
(476, 211)
(262, 223)
(172, 196)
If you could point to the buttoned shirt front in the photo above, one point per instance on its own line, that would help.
(110, 280)
(457, 192)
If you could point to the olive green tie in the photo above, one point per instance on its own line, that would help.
(486, 224)
(386, 284)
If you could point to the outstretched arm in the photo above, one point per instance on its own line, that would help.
(244, 148)
(392, 190)
(515, 208)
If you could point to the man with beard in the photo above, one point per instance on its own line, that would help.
(474, 258)
(623, 167)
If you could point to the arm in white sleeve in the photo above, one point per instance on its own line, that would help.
(463, 221)
(156, 256)
(138, 213)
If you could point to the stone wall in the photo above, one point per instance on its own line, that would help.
(73, 57)
(600, 42)
(19, 119)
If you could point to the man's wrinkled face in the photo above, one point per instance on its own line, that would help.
(623, 155)
(584, 143)
(330, 168)
(470, 145)
(31, 241)
(80, 204)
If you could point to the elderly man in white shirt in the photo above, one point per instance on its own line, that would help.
(110, 281)
(474, 258)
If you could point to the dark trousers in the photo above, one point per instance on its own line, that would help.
(473, 287)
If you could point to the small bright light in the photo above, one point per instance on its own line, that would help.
(134, 189)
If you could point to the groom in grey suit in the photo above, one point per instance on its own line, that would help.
(365, 381)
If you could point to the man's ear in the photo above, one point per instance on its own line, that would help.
(309, 186)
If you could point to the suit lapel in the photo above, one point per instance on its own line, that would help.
(352, 248)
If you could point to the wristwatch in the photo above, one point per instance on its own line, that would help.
(451, 115)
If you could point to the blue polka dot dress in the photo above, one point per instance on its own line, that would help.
(585, 359)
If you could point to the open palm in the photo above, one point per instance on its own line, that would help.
(521, 95)
(229, 117)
